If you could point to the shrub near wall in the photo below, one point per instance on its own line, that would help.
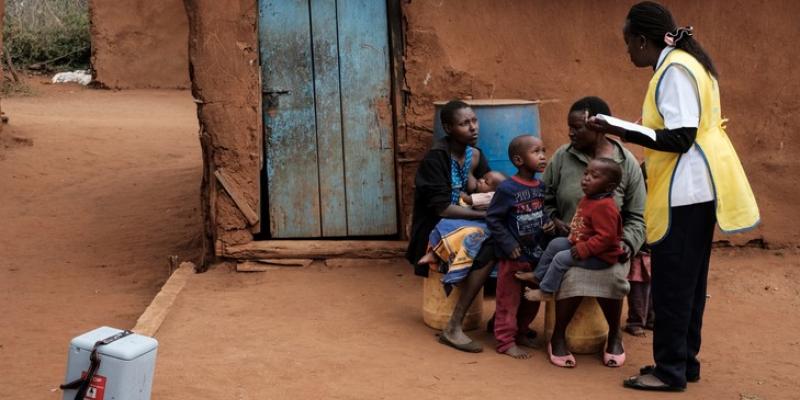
(48, 31)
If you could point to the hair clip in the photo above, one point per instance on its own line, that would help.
(671, 39)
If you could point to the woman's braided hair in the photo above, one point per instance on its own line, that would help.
(448, 113)
(593, 105)
(655, 22)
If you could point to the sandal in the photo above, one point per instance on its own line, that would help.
(613, 360)
(635, 382)
(471, 347)
(567, 361)
(648, 369)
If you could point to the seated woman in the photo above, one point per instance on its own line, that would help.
(441, 177)
(563, 181)
(448, 231)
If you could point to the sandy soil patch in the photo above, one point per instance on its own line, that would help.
(353, 330)
(97, 189)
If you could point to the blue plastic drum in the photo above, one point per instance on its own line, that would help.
(500, 121)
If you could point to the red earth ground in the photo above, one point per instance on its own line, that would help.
(97, 189)
(100, 187)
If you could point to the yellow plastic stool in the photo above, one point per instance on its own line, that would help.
(437, 307)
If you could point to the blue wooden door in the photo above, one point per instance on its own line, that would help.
(329, 149)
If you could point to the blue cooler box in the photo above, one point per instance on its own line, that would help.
(126, 365)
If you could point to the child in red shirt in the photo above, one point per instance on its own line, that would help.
(595, 233)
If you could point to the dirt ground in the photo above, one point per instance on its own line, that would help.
(352, 330)
(97, 189)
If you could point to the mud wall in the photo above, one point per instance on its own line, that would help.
(561, 51)
(139, 43)
(553, 51)
(224, 69)
(2, 48)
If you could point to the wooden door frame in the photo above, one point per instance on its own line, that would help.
(396, 30)
(399, 97)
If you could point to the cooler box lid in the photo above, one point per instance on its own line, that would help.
(128, 348)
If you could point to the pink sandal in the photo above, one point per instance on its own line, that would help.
(613, 360)
(567, 361)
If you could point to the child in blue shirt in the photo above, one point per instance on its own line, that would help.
(516, 219)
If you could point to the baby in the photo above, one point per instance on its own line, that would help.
(483, 189)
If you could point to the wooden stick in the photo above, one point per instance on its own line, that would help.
(315, 249)
(42, 64)
(157, 311)
(249, 214)
(268, 265)
(218, 248)
(10, 65)
(173, 264)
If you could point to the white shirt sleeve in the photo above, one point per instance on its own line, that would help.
(678, 100)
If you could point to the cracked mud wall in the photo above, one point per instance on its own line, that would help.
(561, 51)
(140, 44)
(2, 50)
(553, 51)
(224, 67)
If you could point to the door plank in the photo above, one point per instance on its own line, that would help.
(333, 205)
(290, 145)
(367, 117)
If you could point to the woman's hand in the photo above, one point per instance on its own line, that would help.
(516, 253)
(599, 125)
(627, 253)
(573, 251)
(557, 228)
(467, 199)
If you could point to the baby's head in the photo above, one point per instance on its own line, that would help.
(490, 181)
(527, 153)
(602, 175)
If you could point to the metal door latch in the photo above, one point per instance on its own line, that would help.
(271, 99)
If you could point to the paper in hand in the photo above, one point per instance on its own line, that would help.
(628, 126)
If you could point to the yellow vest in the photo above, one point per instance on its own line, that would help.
(735, 203)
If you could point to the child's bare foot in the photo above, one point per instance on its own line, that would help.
(427, 258)
(516, 352)
(527, 341)
(537, 295)
(526, 277)
(635, 331)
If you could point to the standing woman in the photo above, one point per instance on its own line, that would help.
(695, 180)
